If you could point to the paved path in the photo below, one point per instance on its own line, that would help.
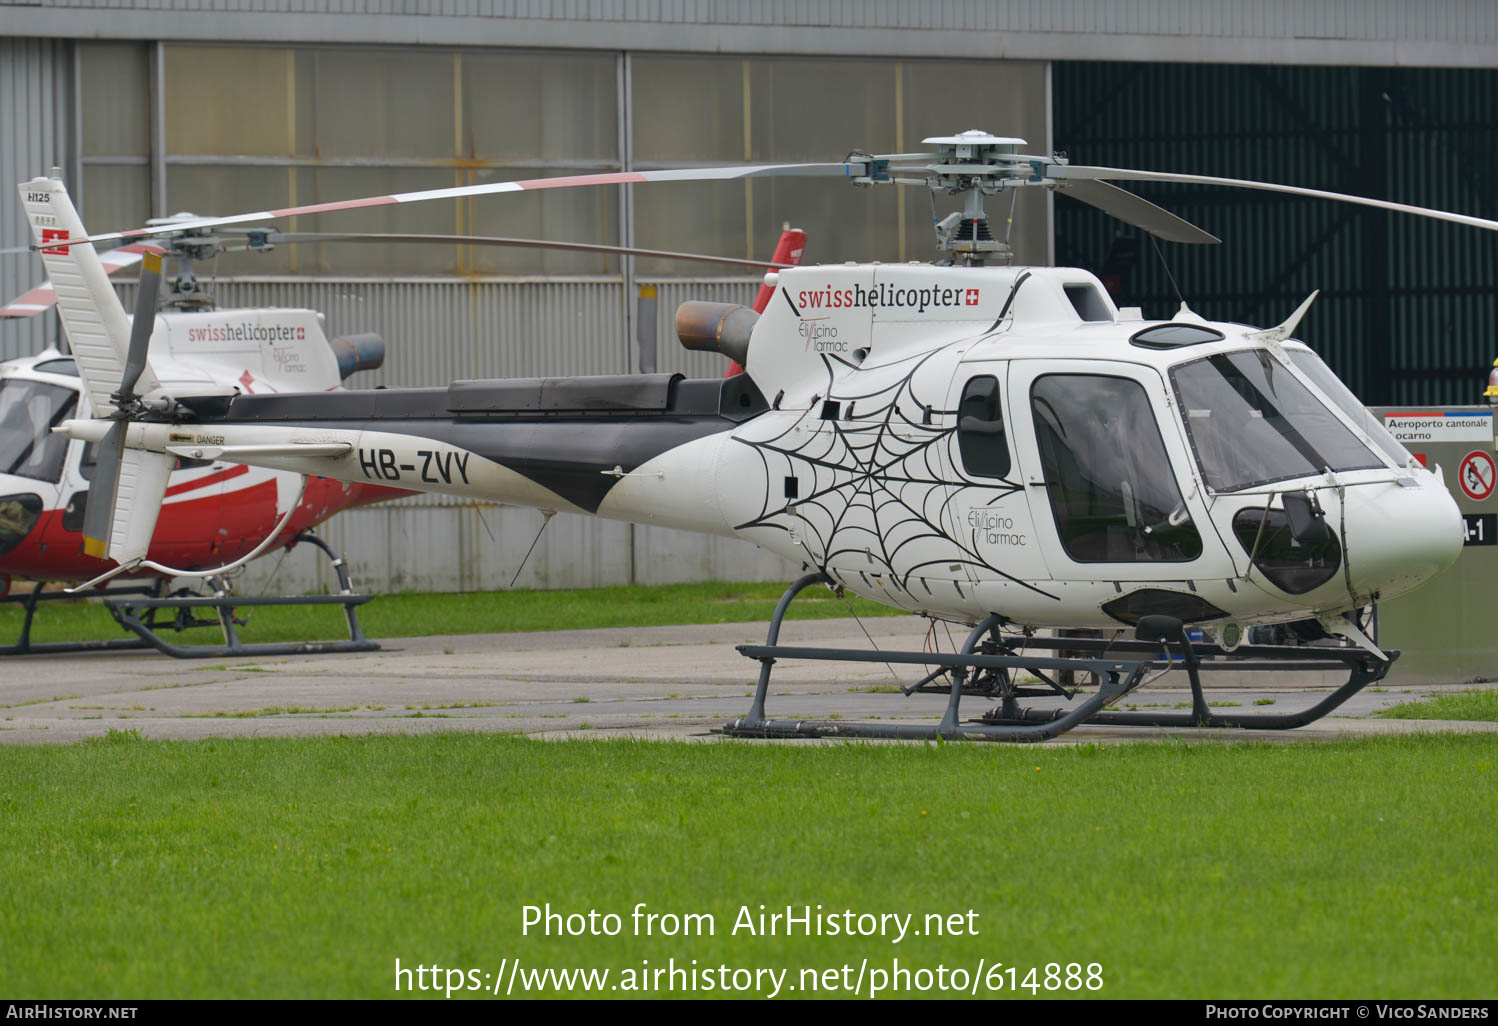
(670, 682)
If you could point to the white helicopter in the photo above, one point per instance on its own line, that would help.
(992, 445)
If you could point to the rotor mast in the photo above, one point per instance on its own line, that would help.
(971, 164)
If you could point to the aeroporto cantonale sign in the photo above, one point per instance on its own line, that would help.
(1441, 426)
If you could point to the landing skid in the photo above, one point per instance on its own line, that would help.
(986, 666)
(30, 601)
(138, 609)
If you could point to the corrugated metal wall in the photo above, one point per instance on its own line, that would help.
(1407, 310)
(33, 98)
(441, 330)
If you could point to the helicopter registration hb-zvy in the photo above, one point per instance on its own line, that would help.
(993, 445)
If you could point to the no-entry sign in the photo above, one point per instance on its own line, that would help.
(1476, 475)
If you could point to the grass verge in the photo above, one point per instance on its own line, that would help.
(305, 867)
(425, 613)
(1465, 705)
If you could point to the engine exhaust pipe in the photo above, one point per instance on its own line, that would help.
(358, 352)
(716, 328)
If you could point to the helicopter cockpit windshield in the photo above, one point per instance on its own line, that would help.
(1311, 365)
(1251, 422)
(29, 410)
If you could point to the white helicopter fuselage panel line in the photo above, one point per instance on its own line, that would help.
(953, 441)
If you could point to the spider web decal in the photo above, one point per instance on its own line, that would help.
(885, 482)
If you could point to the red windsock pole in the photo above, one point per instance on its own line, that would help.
(792, 244)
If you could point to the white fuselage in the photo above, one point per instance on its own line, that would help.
(960, 441)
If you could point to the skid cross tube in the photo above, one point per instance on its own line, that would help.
(1118, 677)
(1117, 665)
(127, 612)
(1362, 671)
(135, 607)
(25, 646)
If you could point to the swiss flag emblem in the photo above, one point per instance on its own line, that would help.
(54, 235)
(972, 297)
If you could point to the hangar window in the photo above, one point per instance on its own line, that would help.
(259, 127)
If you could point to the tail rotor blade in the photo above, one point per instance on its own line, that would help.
(145, 322)
(98, 514)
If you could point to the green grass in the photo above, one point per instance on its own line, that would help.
(1466, 705)
(305, 867)
(420, 613)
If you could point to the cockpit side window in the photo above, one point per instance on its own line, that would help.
(29, 410)
(1112, 490)
(980, 429)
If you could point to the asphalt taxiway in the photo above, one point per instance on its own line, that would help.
(666, 682)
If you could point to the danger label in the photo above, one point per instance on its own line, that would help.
(1476, 475)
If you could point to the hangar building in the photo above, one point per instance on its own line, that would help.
(152, 107)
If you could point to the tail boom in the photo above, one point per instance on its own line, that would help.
(657, 470)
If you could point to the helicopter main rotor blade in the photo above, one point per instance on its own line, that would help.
(855, 169)
(1137, 211)
(992, 160)
(1076, 173)
(500, 240)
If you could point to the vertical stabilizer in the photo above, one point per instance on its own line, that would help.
(137, 504)
(96, 324)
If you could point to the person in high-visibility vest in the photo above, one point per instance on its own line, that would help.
(1492, 393)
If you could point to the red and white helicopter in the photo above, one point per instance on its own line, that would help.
(215, 515)
(997, 446)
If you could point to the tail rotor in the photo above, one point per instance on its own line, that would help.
(132, 474)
